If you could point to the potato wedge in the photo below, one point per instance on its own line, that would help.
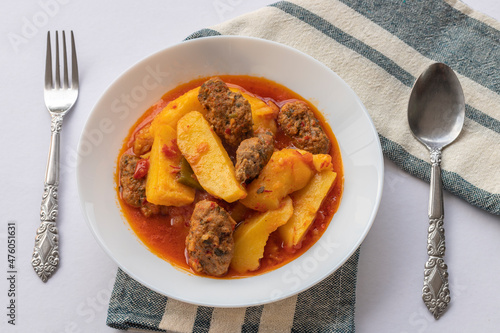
(162, 188)
(143, 140)
(287, 171)
(320, 161)
(306, 204)
(251, 236)
(176, 109)
(210, 162)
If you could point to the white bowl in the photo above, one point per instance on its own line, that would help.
(144, 84)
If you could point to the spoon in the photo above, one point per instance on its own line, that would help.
(436, 112)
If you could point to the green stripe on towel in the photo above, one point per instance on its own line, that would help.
(345, 39)
(414, 21)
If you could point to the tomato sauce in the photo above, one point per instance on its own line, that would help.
(165, 235)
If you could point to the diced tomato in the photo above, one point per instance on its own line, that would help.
(175, 169)
(202, 147)
(170, 151)
(141, 168)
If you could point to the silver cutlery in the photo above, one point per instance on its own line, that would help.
(59, 99)
(436, 112)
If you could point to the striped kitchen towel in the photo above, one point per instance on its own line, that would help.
(326, 307)
(379, 48)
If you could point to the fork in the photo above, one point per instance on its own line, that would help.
(59, 98)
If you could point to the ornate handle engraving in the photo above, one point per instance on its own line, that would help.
(436, 291)
(56, 124)
(46, 251)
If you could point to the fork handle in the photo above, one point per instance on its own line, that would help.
(46, 251)
(436, 291)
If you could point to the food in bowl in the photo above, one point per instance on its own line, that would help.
(230, 176)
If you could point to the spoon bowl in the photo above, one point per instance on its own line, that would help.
(436, 109)
(436, 112)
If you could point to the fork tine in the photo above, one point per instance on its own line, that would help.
(65, 71)
(58, 76)
(74, 64)
(48, 64)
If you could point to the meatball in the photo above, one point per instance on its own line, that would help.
(210, 244)
(228, 112)
(133, 191)
(252, 155)
(148, 209)
(298, 122)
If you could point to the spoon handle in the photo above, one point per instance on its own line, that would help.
(436, 292)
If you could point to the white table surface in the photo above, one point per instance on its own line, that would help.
(112, 36)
